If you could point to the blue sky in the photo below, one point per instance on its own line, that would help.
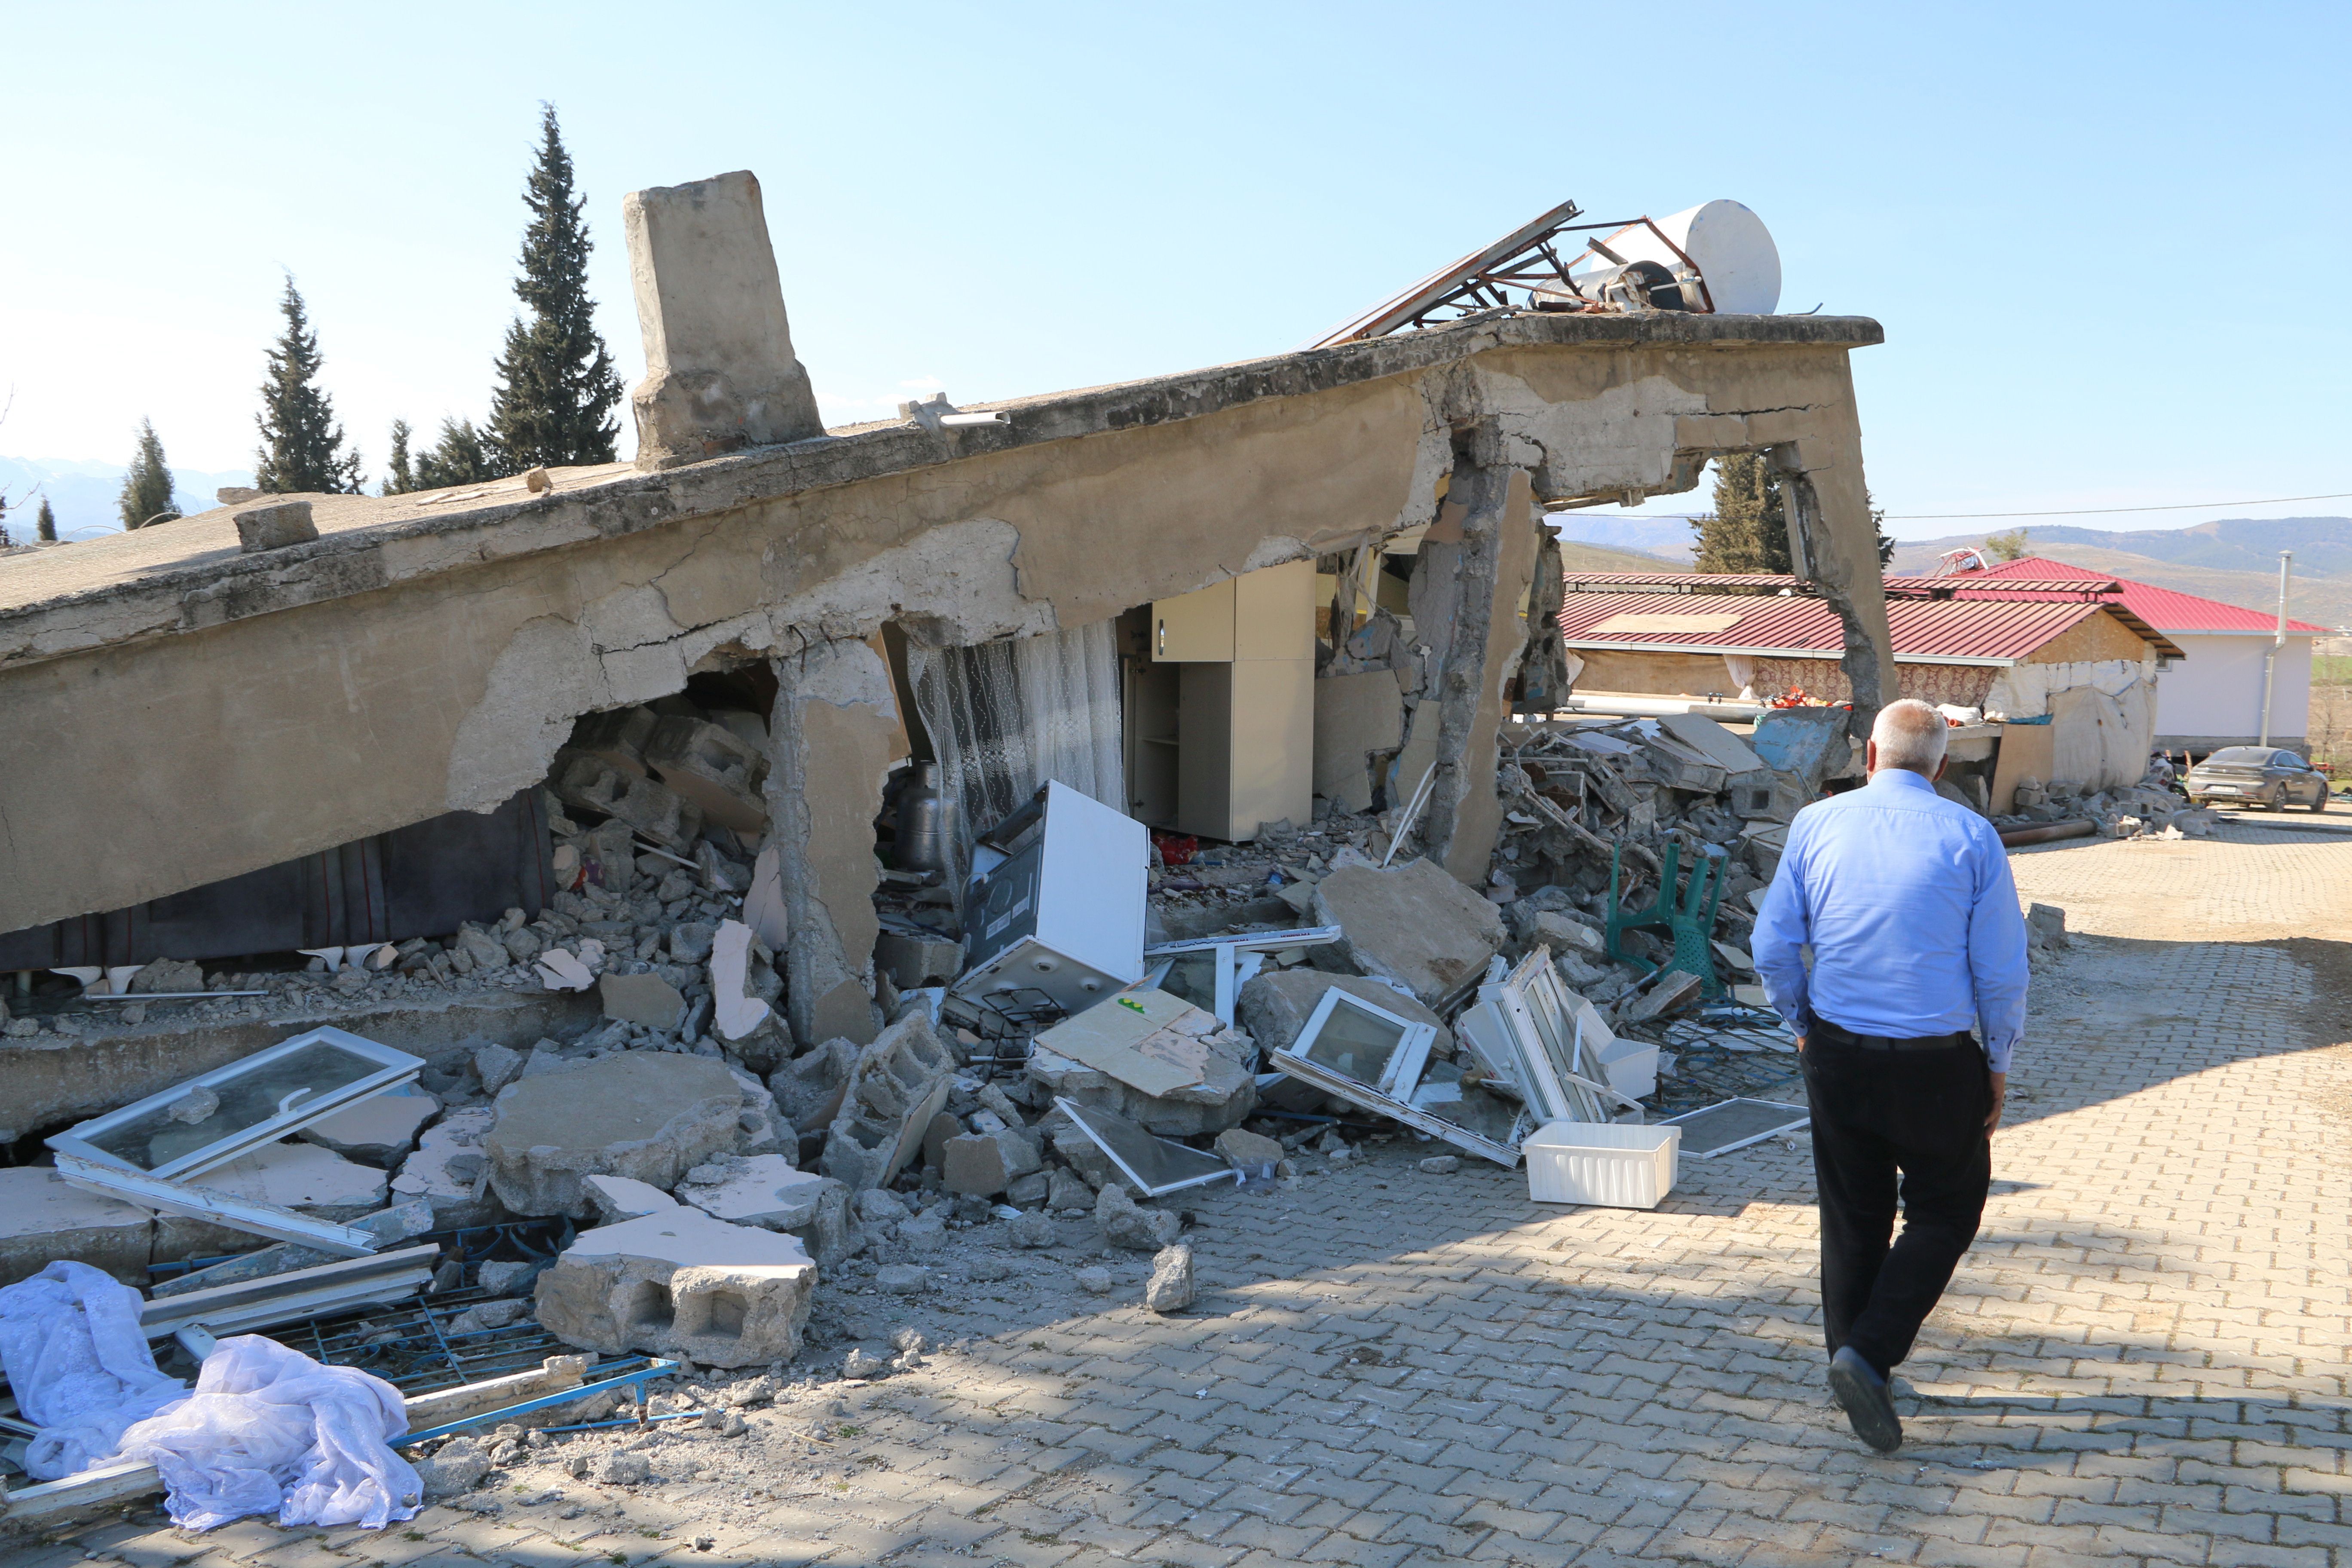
(2107, 242)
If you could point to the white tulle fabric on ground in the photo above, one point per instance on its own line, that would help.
(78, 1364)
(269, 1428)
(1005, 717)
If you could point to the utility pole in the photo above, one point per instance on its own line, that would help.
(2270, 660)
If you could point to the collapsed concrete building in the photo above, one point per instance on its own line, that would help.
(355, 715)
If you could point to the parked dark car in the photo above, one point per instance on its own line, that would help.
(2257, 775)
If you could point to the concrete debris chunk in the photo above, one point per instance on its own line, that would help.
(44, 1219)
(913, 962)
(2045, 926)
(646, 999)
(274, 527)
(713, 767)
(680, 1283)
(735, 1011)
(986, 1164)
(617, 1198)
(1247, 1152)
(765, 1190)
(1067, 1190)
(169, 974)
(1032, 1232)
(1171, 1287)
(450, 1172)
(458, 1467)
(810, 1088)
(497, 1067)
(899, 1083)
(648, 807)
(302, 1177)
(1441, 1164)
(1153, 1058)
(1410, 924)
(379, 1131)
(1095, 1280)
(1126, 1224)
(644, 1115)
(617, 739)
(862, 1364)
(1673, 990)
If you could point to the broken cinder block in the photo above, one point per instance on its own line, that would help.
(711, 766)
(680, 1283)
(652, 809)
(899, 1083)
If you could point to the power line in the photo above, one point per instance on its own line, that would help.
(2099, 510)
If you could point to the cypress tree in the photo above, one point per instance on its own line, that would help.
(556, 383)
(147, 484)
(399, 477)
(301, 445)
(45, 523)
(458, 458)
(1748, 531)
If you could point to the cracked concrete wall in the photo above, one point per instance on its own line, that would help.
(441, 670)
(832, 738)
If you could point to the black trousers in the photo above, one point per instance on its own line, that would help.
(1889, 1123)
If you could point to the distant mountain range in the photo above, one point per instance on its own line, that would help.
(1667, 538)
(83, 494)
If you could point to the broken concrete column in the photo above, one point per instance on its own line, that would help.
(832, 736)
(647, 1115)
(1490, 506)
(900, 1082)
(719, 369)
(1833, 541)
(680, 1283)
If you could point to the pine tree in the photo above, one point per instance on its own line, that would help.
(459, 458)
(46, 523)
(400, 478)
(1748, 531)
(147, 484)
(301, 445)
(556, 383)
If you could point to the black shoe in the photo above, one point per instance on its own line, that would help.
(1868, 1404)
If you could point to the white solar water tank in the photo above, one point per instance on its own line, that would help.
(1734, 251)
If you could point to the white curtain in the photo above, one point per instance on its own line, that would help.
(1005, 717)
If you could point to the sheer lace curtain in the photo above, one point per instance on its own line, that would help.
(1005, 717)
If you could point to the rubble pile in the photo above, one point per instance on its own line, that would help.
(2152, 808)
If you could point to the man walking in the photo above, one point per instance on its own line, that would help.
(1905, 898)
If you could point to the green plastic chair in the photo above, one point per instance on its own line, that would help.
(1684, 917)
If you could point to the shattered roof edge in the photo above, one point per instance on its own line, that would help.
(197, 593)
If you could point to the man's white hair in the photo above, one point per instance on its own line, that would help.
(1911, 735)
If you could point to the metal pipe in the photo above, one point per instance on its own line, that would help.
(2078, 828)
(1661, 707)
(2270, 660)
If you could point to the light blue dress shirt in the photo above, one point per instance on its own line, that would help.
(1907, 901)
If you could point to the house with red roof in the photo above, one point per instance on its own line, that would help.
(2212, 696)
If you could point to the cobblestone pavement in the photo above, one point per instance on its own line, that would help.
(2142, 1359)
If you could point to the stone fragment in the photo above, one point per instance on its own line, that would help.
(913, 962)
(196, 1106)
(616, 738)
(1082, 1154)
(878, 1206)
(1066, 1190)
(861, 1364)
(302, 1177)
(1094, 1281)
(522, 944)
(559, 969)
(1410, 924)
(1441, 1164)
(458, 1467)
(1125, 1223)
(902, 1279)
(503, 1278)
(1674, 989)
(2045, 926)
(1031, 1232)
(712, 766)
(1564, 933)
(1247, 1152)
(617, 1198)
(1029, 1190)
(689, 940)
(484, 1317)
(623, 1469)
(274, 527)
(810, 1088)
(719, 369)
(379, 1131)
(647, 999)
(899, 1083)
(645, 1115)
(478, 948)
(44, 1220)
(1170, 1289)
(449, 1169)
(497, 1067)
(650, 809)
(926, 1232)
(680, 1283)
(735, 1011)
(765, 1191)
(169, 974)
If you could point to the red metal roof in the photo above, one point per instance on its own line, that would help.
(1925, 631)
(2163, 608)
(1708, 581)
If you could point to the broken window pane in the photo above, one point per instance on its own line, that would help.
(1357, 1043)
(212, 1118)
(1154, 1164)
